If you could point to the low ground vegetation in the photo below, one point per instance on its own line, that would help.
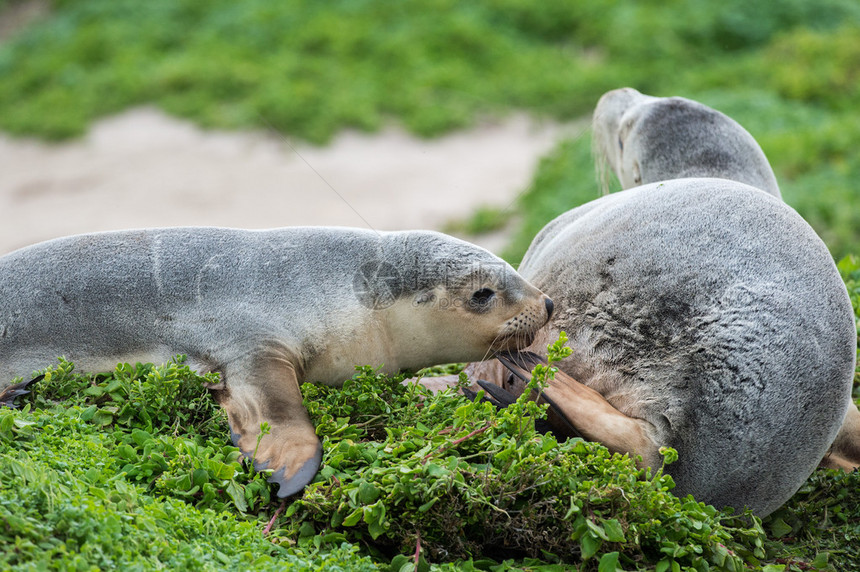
(134, 470)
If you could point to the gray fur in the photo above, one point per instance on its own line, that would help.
(702, 305)
(649, 139)
(268, 309)
(714, 312)
(199, 291)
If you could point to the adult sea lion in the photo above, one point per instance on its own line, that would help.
(703, 313)
(268, 309)
(706, 316)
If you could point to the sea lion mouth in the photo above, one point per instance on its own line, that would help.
(513, 342)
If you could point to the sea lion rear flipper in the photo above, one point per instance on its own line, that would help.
(586, 413)
(844, 453)
(520, 364)
(9, 394)
(266, 390)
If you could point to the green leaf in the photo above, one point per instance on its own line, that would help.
(140, 437)
(614, 532)
(609, 562)
(222, 470)
(94, 391)
(353, 517)
(199, 477)
(400, 562)
(102, 417)
(427, 505)
(590, 544)
(779, 528)
(237, 495)
(89, 413)
(367, 493)
(821, 560)
(670, 455)
(376, 529)
(847, 265)
(597, 529)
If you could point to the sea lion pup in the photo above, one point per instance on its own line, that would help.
(647, 139)
(268, 309)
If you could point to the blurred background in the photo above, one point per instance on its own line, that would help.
(471, 117)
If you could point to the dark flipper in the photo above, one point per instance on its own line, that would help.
(8, 395)
(470, 395)
(521, 364)
(580, 411)
(500, 397)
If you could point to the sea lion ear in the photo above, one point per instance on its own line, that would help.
(425, 297)
(268, 422)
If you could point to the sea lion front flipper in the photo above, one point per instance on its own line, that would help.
(11, 393)
(587, 413)
(520, 365)
(500, 396)
(265, 389)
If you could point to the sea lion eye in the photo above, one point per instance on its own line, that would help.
(481, 299)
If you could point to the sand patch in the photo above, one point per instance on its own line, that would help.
(143, 168)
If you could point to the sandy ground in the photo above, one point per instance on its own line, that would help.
(143, 168)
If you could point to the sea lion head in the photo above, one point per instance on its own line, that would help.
(454, 301)
(647, 139)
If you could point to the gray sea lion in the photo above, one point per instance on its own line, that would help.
(268, 309)
(703, 314)
(706, 316)
(647, 139)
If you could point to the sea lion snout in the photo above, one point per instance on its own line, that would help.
(520, 330)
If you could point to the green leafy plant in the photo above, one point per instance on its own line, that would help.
(448, 478)
(86, 484)
(134, 470)
(409, 480)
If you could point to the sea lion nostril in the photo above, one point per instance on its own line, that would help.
(549, 308)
